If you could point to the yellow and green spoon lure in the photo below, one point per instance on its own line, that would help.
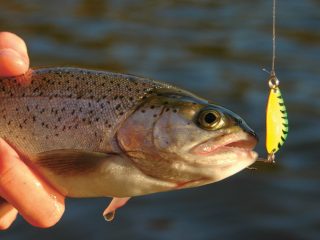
(276, 114)
(276, 119)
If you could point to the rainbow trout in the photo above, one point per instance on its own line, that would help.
(95, 133)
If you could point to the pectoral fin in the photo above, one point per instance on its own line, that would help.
(70, 161)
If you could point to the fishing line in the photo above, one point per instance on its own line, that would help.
(276, 114)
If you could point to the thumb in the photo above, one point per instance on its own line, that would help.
(14, 58)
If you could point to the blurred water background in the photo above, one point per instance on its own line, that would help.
(215, 49)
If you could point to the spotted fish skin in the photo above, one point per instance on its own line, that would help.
(277, 121)
(94, 134)
(68, 108)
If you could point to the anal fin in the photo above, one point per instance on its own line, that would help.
(116, 203)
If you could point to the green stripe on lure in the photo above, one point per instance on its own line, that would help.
(277, 119)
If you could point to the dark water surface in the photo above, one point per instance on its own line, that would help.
(217, 50)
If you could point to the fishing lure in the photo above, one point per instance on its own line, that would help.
(277, 125)
(276, 119)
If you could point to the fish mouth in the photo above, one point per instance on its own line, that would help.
(241, 144)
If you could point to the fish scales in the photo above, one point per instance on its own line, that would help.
(92, 133)
(68, 108)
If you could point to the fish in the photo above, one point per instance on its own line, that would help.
(102, 134)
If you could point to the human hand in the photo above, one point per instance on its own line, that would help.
(21, 188)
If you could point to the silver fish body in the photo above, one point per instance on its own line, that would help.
(95, 133)
(70, 108)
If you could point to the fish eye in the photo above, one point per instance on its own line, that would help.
(209, 119)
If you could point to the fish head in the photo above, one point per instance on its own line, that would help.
(177, 137)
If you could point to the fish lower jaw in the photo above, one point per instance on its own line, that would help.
(228, 157)
(226, 161)
(226, 165)
(239, 143)
(239, 153)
